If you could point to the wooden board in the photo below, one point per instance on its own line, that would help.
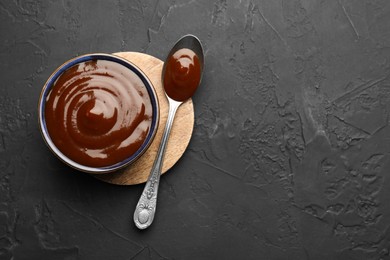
(181, 130)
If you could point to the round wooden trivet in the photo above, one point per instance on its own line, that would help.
(181, 131)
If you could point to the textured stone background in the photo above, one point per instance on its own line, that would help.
(290, 153)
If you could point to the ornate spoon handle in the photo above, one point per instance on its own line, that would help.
(146, 206)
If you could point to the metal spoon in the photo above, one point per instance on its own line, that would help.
(146, 207)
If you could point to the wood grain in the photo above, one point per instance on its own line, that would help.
(181, 131)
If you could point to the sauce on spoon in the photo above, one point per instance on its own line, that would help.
(182, 74)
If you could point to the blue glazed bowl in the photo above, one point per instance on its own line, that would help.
(89, 57)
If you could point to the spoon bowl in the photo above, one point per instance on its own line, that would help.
(191, 42)
(181, 76)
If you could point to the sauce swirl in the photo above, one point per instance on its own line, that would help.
(182, 74)
(98, 113)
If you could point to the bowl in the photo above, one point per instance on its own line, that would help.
(98, 113)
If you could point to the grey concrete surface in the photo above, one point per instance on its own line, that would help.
(289, 157)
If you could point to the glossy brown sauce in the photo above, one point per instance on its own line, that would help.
(182, 74)
(98, 113)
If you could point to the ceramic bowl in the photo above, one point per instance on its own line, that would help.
(131, 157)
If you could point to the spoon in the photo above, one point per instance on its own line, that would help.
(181, 76)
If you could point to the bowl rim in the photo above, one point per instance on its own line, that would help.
(110, 57)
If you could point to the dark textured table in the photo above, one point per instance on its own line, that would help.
(289, 158)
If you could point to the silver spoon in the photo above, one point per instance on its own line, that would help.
(146, 206)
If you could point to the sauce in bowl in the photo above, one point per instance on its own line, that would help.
(182, 74)
(99, 113)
